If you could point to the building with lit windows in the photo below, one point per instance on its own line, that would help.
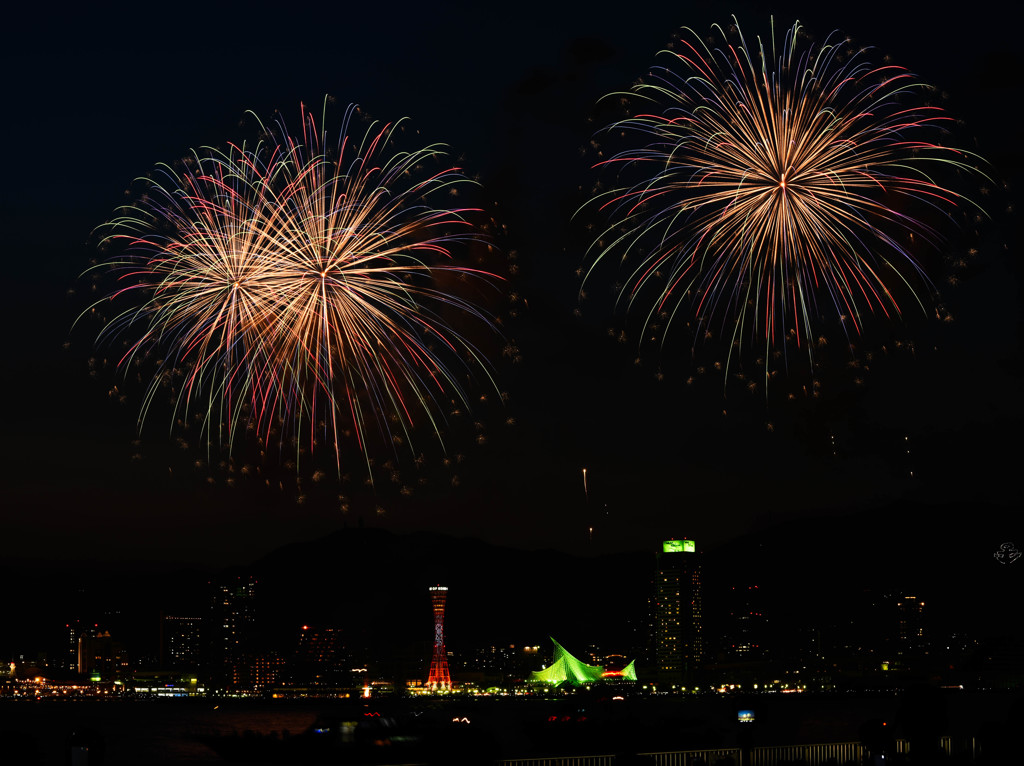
(495, 665)
(101, 657)
(678, 623)
(264, 670)
(910, 622)
(323, 647)
(230, 633)
(911, 643)
(746, 627)
(72, 632)
(321, 657)
(180, 641)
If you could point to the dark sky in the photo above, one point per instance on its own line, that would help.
(96, 99)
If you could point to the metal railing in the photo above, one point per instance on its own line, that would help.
(563, 760)
(694, 757)
(812, 755)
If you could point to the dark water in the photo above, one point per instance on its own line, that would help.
(140, 732)
(166, 732)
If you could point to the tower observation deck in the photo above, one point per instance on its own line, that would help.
(439, 677)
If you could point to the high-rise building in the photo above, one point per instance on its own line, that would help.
(678, 623)
(180, 641)
(746, 627)
(72, 632)
(264, 670)
(321, 657)
(912, 639)
(439, 677)
(100, 656)
(910, 622)
(231, 631)
(324, 647)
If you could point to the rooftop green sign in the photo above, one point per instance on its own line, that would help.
(678, 546)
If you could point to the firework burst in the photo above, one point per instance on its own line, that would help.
(302, 288)
(768, 188)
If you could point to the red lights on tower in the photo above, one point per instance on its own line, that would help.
(439, 677)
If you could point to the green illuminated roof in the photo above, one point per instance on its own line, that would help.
(565, 668)
(628, 673)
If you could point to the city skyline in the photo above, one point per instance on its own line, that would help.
(601, 445)
(268, 628)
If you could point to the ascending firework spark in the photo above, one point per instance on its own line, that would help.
(773, 188)
(300, 283)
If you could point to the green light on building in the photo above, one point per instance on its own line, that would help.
(679, 546)
(565, 668)
(628, 673)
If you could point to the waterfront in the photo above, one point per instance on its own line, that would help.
(478, 730)
(133, 732)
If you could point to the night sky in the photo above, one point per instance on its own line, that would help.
(95, 99)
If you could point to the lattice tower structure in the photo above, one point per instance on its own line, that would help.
(439, 677)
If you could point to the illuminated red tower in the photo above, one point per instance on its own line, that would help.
(439, 677)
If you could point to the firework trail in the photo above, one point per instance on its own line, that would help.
(766, 188)
(302, 284)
